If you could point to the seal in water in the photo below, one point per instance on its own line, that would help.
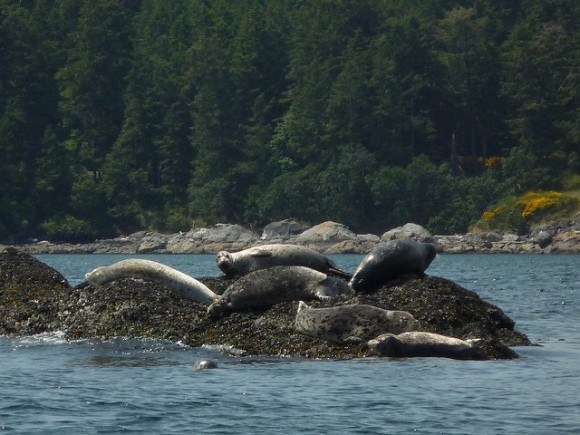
(352, 323)
(424, 344)
(267, 287)
(205, 364)
(390, 260)
(262, 257)
(182, 285)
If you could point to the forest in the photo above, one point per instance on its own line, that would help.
(126, 115)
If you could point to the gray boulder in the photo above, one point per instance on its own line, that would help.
(283, 230)
(409, 231)
(326, 233)
(224, 233)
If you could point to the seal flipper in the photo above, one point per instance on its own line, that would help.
(260, 252)
(333, 269)
(340, 273)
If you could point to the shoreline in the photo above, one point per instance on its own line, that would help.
(327, 238)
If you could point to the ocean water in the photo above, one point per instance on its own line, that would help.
(50, 385)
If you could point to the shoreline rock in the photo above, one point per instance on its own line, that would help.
(328, 238)
(35, 298)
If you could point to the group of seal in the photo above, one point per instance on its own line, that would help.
(276, 273)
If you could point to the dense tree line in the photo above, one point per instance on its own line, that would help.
(120, 115)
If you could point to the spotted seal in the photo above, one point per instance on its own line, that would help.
(182, 285)
(424, 344)
(274, 285)
(351, 323)
(261, 257)
(390, 260)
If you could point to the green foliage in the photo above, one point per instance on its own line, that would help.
(120, 115)
(572, 182)
(69, 229)
(506, 215)
(516, 213)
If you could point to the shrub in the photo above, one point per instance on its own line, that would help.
(516, 213)
(538, 204)
(572, 182)
(69, 229)
(506, 216)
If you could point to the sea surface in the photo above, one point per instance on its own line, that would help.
(52, 386)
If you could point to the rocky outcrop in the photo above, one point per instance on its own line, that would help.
(328, 237)
(326, 234)
(284, 231)
(35, 298)
(409, 231)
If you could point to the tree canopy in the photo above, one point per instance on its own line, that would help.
(122, 115)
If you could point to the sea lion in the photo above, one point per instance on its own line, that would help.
(424, 344)
(182, 285)
(261, 257)
(274, 285)
(351, 323)
(390, 260)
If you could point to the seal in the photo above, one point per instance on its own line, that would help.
(182, 285)
(261, 257)
(390, 260)
(351, 323)
(424, 344)
(205, 364)
(274, 285)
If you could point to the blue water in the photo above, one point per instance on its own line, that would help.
(50, 385)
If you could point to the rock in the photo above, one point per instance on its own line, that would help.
(372, 238)
(566, 242)
(224, 233)
(327, 233)
(283, 230)
(33, 296)
(409, 231)
(351, 247)
(129, 308)
(508, 237)
(542, 238)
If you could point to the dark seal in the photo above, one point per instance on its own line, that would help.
(390, 260)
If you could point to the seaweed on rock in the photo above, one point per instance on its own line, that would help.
(133, 308)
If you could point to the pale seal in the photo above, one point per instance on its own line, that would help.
(261, 257)
(352, 323)
(182, 285)
(274, 285)
(424, 344)
(390, 260)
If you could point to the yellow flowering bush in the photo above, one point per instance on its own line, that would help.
(515, 214)
(490, 215)
(539, 203)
